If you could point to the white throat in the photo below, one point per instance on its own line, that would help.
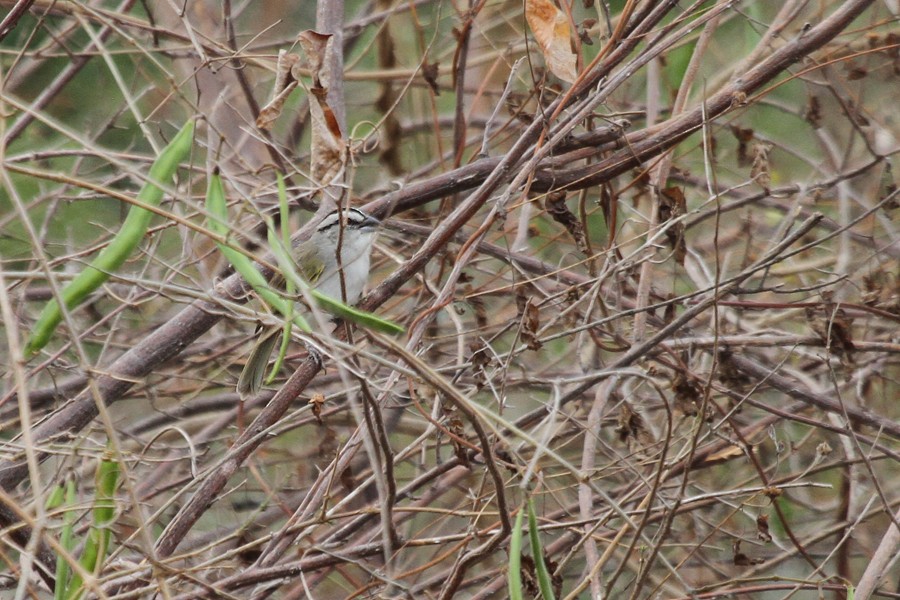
(356, 247)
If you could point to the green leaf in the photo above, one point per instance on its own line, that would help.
(543, 575)
(360, 317)
(66, 539)
(285, 263)
(215, 205)
(514, 575)
(121, 247)
(104, 511)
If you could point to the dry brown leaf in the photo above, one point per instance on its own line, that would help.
(430, 72)
(271, 111)
(729, 373)
(813, 112)
(740, 559)
(688, 394)
(316, 46)
(672, 205)
(556, 579)
(456, 427)
(317, 402)
(760, 167)
(327, 144)
(529, 576)
(743, 136)
(285, 82)
(724, 455)
(739, 98)
(834, 326)
(328, 150)
(762, 528)
(479, 359)
(555, 204)
(531, 321)
(584, 33)
(550, 27)
(772, 492)
(632, 429)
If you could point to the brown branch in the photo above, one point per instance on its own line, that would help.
(12, 18)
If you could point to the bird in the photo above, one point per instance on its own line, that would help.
(317, 261)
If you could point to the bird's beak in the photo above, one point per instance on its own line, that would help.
(370, 221)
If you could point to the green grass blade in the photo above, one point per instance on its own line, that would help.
(64, 496)
(120, 248)
(215, 204)
(514, 576)
(543, 575)
(104, 511)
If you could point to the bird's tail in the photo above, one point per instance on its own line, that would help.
(251, 379)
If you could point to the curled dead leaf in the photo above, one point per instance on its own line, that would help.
(743, 135)
(834, 326)
(480, 359)
(551, 29)
(688, 394)
(632, 429)
(555, 204)
(813, 112)
(772, 492)
(760, 167)
(430, 72)
(328, 150)
(762, 527)
(672, 205)
(584, 33)
(317, 402)
(531, 321)
(456, 427)
(285, 82)
(316, 46)
(740, 559)
(729, 373)
(723, 455)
